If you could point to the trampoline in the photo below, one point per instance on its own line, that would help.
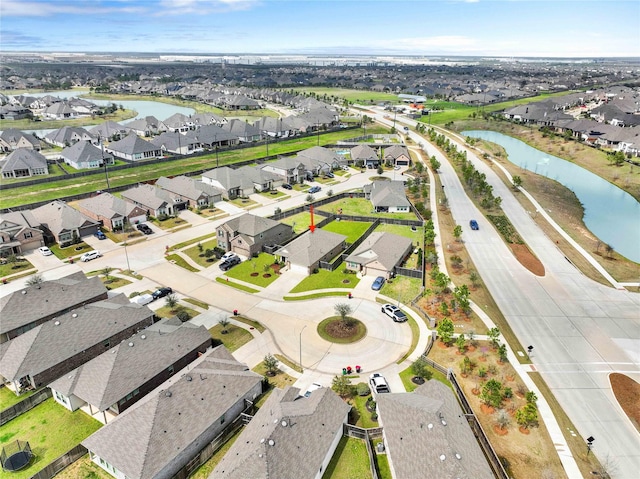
(16, 456)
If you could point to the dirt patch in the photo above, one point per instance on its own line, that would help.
(254, 274)
(338, 329)
(627, 393)
(266, 275)
(527, 259)
(524, 430)
(500, 431)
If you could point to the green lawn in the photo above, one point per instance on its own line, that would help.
(251, 323)
(313, 296)
(234, 338)
(167, 312)
(409, 385)
(415, 236)
(195, 302)
(51, 430)
(415, 336)
(114, 282)
(274, 194)
(361, 207)
(280, 380)
(239, 286)
(14, 268)
(199, 239)
(143, 172)
(194, 253)
(246, 271)
(8, 398)
(402, 288)
(70, 251)
(349, 461)
(299, 222)
(351, 229)
(169, 223)
(27, 124)
(244, 202)
(327, 279)
(382, 462)
(83, 468)
(364, 416)
(357, 96)
(180, 261)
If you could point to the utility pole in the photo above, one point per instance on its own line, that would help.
(104, 163)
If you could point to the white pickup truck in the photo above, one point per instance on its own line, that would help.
(378, 383)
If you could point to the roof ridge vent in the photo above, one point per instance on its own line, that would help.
(56, 323)
(130, 344)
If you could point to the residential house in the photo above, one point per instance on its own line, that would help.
(379, 254)
(19, 232)
(168, 427)
(24, 162)
(147, 126)
(176, 143)
(12, 139)
(110, 131)
(177, 123)
(305, 253)
(429, 420)
(112, 212)
(212, 136)
(364, 155)
(23, 310)
(230, 182)
(290, 437)
(248, 234)
(156, 201)
(118, 378)
(262, 180)
(238, 102)
(134, 148)
(289, 168)
(13, 112)
(63, 224)
(196, 193)
(83, 155)
(245, 132)
(206, 119)
(319, 160)
(61, 111)
(55, 348)
(68, 135)
(276, 127)
(387, 196)
(397, 155)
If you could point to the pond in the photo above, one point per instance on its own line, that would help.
(610, 213)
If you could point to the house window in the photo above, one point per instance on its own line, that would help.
(28, 234)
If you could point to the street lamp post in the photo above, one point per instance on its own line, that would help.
(300, 346)
(590, 440)
(104, 163)
(530, 350)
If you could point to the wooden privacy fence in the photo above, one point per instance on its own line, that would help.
(23, 406)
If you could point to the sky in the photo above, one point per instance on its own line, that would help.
(506, 28)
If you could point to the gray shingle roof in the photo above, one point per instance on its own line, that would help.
(57, 216)
(251, 225)
(416, 437)
(309, 248)
(146, 437)
(23, 158)
(18, 309)
(147, 196)
(55, 341)
(108, 129)
(396, 151)
(388, 194)
(107, 378)
(108, 206)
(188, 187)
(363, 152)
(12, 136)
(132, 144)
(386, 248)
(83, 151)
(298, 449)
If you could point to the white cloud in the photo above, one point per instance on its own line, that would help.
(15, 8)
(181, 7)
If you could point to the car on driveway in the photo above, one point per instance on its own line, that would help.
(90, 255)
(474, 225)
(394, 313)
(230, 263)
(100, 235)
(161, 293)
(227, 255)
(378, 283)
(314, 189)
(287, 186)
(144, 228)
(45, 251)
(378, 383)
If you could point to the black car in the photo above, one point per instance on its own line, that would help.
(287, 186)
(230, 263)
(144, 229)
(161, 293)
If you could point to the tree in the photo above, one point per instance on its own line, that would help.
(106, 271)
(35, 280)
(494, 335)
(473, 276)
(502, 419)
(435, 164)
(461, 343)
(465, 365)
(344, 310)
(420, 369)
(341, 386)
(517, 182)
(491, 393)
(531, 397)
(445, 330)
(609, 249)
(527, 415)
(271, 364)
(380, 170)
(171, 301)
(224, 322)
(309, 198)
(502, 353)
(457, 232)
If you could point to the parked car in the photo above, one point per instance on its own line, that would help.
(230, 263)
(161, 293)
(144, 228)
(314, 189)
(378, 283)
(45, 251)
(330, 175)
(287, 186)
(142, 299)
(100, 235)
(394, 313)
(378, 383)
(345, 168)
(474, 225)
(90, 255)
(227, 255)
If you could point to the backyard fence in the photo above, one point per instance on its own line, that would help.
(60, 463)
(23, 406)
(366, 435)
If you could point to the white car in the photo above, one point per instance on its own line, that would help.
(394, 313)
(90, 255)
(45, 251)
(378, 383)
(227, 255)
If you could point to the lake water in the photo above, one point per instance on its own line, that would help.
(610, 213)
(160, 110)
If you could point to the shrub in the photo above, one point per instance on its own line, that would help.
(134, 294)
(183, 315)
(363, 389)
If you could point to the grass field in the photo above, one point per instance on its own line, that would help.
(402, 288)
(357, 96)
(246, 270)
(326, 279)
(26, 124)
(349, 461)
(51, 430)
(361, 207)
(234, 338)
(8, 398)
(299, 222)
(194, 253)
(351, 229)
